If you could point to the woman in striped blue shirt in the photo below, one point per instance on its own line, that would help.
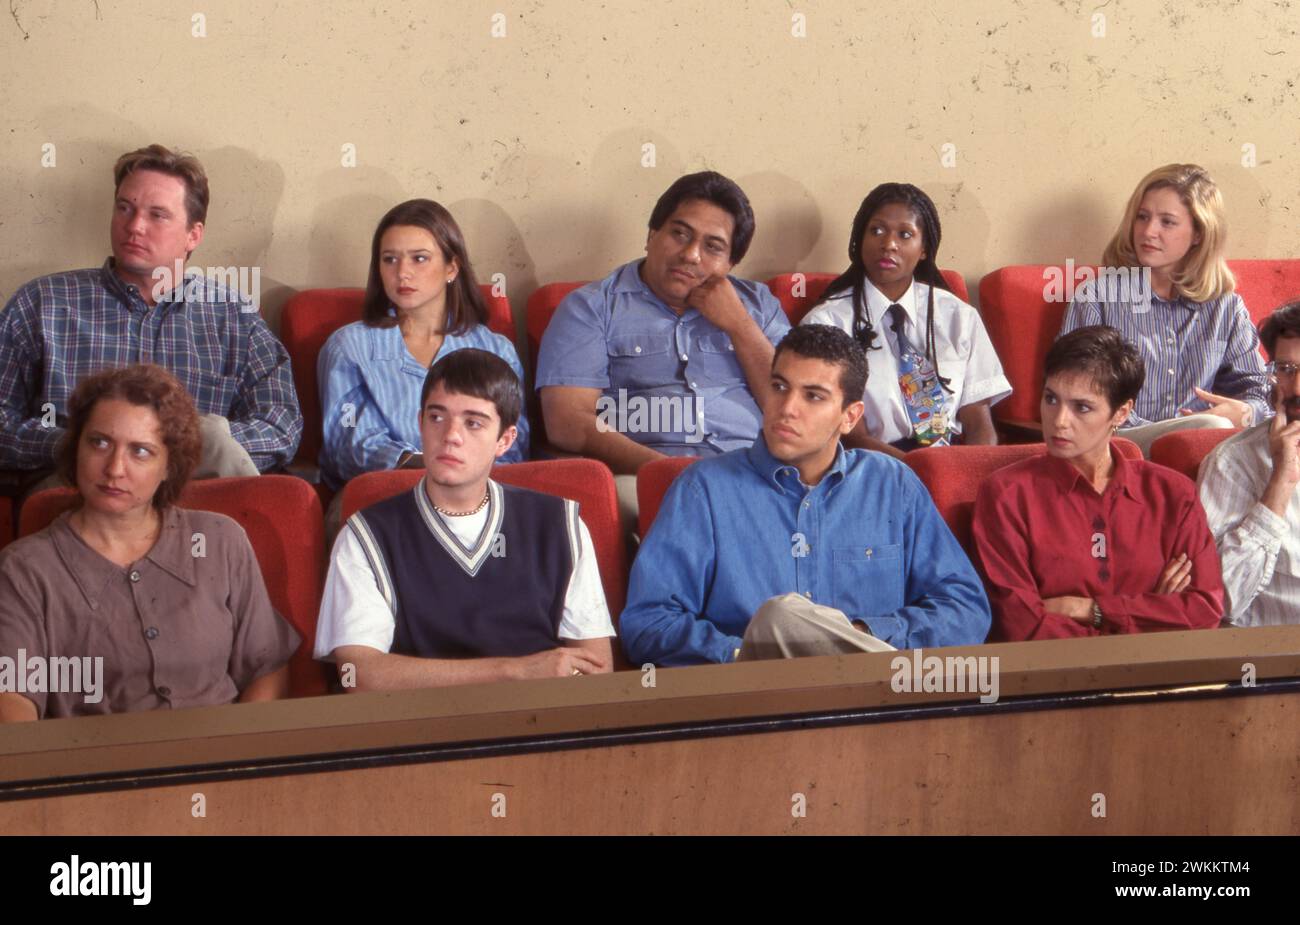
(1166, 287)
(422, 302)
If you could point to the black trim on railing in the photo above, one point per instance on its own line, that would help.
(698, 729)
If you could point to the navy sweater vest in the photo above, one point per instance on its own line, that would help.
(504, 597)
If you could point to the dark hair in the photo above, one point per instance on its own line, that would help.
(927, 270)
(184, 167)
(1102, 354)
(465, 305)
(824, 342)
(717, 189)
(148, 386)
(478, 374)
(1284, 322)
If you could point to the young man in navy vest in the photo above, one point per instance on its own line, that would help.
(464, 580)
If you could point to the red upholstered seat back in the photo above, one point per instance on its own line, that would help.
(537, 315)
(953, 475)
(311, 316)
(586, 481)
(1022, 325)
(1183, 450)
(652, 481)
(1265, 285)
(799, 292)
(282, 517)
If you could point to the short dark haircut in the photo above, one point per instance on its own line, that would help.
(478, 374)
(148, 386)
(184, 167)
(1103, 355)
(830, 344)
(717, 189)
(465, 304)
(1284, 322)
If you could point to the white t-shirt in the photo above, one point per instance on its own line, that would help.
(965, 354)
(353, 610)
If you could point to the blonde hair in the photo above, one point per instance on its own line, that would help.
(1202, 274)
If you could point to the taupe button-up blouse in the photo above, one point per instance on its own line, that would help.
(189, 624)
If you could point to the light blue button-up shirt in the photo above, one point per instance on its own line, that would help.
(618, 336)
(741, 528)
(370, 397)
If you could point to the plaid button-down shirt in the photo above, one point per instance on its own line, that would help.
(58, 329)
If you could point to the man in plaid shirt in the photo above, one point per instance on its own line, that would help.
(136, 308)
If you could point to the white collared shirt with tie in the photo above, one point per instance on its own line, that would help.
(965, 353)
(1259, 551)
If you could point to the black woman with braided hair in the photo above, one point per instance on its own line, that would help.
(933, 372)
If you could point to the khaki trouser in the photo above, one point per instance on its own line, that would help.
(791, 626)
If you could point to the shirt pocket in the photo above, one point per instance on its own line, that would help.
(212, 393)
(640, 361)
(867, 580)
(715, 360)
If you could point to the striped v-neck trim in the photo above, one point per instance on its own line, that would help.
(469, 559)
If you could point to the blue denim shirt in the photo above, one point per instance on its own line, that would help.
(741, 528)
(618, 336)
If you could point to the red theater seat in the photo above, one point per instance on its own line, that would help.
(537, 315)
(311, 316)
(799, 292)
(652, 481)
(6, 521)
(282, 516)
(953, 475)
(586, 481)
(1265, 285)
(1183, 450)
(1022, 324)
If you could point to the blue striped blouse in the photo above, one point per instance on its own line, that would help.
(1209, 345)
(368, 375)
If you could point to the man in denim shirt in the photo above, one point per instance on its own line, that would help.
(666, 356)
(796, 546)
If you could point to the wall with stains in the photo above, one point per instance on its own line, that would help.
(1028, 123)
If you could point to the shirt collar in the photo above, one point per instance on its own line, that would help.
(1068, 477)
(174, 553)
(785, 476)
(93, 573)
(878, 304)
(629, 280)
(123, 289)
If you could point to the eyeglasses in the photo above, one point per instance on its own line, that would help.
(1283, 370)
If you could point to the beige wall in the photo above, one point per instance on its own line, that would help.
(534, 140)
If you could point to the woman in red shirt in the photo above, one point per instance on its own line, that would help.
(1080, 541)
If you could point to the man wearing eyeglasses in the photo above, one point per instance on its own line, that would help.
(1248, 488)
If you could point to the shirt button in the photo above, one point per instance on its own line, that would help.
(636, 349)
(731, 346)
(692, 385)
(151, 633)
(1171, 372)
(685, 358)
(870, 552)
(807, 594)
(807, 504)
(165, 691)
(135, 576)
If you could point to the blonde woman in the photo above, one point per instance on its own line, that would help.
(1196, 337)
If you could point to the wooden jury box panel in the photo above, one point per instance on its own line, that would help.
(1139, 734)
